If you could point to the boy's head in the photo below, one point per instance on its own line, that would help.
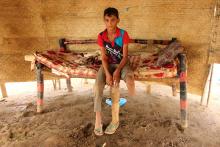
(111, 18)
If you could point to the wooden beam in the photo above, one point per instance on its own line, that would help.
(206, 86)
(3, 90)
(210, 86)
(29, 58)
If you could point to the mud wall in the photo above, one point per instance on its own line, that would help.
(30, 25)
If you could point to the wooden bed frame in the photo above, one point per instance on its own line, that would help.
(181, 75)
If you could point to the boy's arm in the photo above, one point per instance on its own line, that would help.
(104, 57)
(116, 74)
(104, 60)
(105, 65)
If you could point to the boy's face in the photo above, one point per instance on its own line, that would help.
(111, 22)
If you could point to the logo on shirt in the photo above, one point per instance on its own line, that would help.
(113, 51)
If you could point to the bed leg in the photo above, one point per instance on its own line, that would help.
(183, 91)
(148, 88)
(86, 81)
(40, 87)
(174, 88)
(68, 83)
(59, 84)
(54, 84)
(3, 90)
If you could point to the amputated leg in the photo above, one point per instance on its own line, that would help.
(130, 84)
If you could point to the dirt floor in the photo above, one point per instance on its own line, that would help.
(68, 120)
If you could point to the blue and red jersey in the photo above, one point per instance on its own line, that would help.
(113, 49)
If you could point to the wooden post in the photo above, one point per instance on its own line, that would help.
(206, 86)
(40, 87)
(210, 85)
(54, 84)
(62, 44)
(63, 48)
(86, 81)
(174, 88)
(183, 90)
(3, 90)
(59, 84)
(148, 88)
(68, 83)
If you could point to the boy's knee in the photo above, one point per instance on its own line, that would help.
(99, 83)
(130, 85)
(98, 87)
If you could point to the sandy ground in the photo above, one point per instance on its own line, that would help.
(68, 120)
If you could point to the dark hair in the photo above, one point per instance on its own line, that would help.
(111, 11)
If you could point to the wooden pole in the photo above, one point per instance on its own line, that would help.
(59, 84)
(68, 83)
(54, 84)
(210, 86)
(148, 87)
(183, 90)
(206, 90)
(174, 88)
(40, 87)
(3, 90)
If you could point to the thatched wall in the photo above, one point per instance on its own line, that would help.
(30, 25)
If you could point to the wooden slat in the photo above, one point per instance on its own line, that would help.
(3, 90)
(29, 58)
(139, 41)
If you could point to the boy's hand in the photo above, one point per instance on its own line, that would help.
(109, 80)
(116, 76)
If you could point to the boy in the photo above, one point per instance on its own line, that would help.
(113, 43)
